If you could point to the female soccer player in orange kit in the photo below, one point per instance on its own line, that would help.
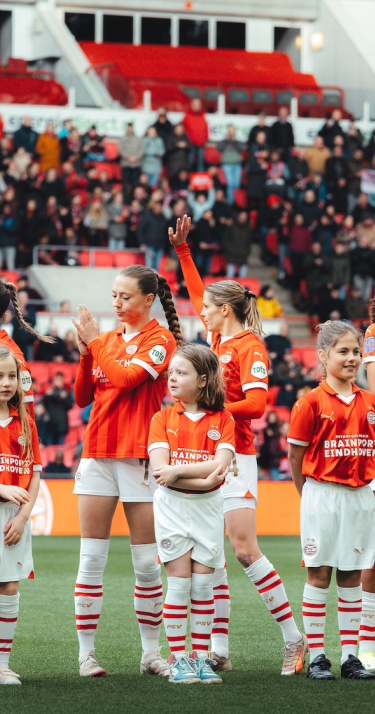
(124, 373)
(332, 437)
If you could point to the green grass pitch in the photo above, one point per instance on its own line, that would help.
(45, 648)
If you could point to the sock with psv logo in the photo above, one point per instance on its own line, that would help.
(9, 607)
(175, 614)
(88, 594)
(271, 589)
(148, 595)
(314, 612)
(220, 634)
(367, 626)
(349, 617)
(202, 612)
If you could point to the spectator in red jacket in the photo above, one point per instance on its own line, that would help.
(196, 128)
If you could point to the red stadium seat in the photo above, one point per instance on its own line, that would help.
(84, 258)
(283, 413)
(123, 258)
(309, 357)
(48, 454)
(74, 417)
(103, 259)
(111, 150)
(64, 367)
(39, 372)
(10, 276)
(240, 198)
(252, 283)
(272, 243)
(272, 394)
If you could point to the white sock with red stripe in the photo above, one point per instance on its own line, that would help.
(175, 614)
(367, 626)
(88, 594)
(271, 589)
(349, 617)
(314, 612)
(202, 612)
(148, 595)
(220, 636)
(9, 607)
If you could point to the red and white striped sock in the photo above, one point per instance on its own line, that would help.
(220, 635)
(349, 617)
(367, 626)
(9, 607)
(88, 594)
(314, 612)
(202, 612)
(175, 614)
(271, 589)
(148, 595)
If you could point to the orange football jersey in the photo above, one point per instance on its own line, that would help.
(28, 397)
(126, 379)
(340, 436)
(191, 440)
(243, 358)
(368, 352)
(12, 470)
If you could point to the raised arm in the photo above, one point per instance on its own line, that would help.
(192, 278)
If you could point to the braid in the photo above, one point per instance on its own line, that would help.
(13, 296)
(371, 310)
(166, 299)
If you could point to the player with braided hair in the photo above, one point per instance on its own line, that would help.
(8, 294)
(230, 314)
(367, 627)
(124, 373)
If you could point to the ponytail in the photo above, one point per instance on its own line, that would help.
(12, 291)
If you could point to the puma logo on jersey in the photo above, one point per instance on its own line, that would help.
(173, 432)
(260, 354)
(166, 339)
(328, 416)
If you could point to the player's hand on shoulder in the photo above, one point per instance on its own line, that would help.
(15, 494)
(182, 231)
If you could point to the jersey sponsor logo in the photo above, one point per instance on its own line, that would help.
(328, 416)
(25, 380)
(371, 417)
(131, 349)
(158, 354)
(259, 369)
(214, 434)
(369, 345)
(225, 358)
(166, 543)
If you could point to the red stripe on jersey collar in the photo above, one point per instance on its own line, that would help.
(150, 326)
(324, 385)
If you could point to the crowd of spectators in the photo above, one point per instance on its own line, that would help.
(312, 210)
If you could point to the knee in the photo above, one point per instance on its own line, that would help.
(145, 558)
(246, 553)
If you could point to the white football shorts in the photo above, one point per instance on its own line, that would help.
(128, 479)
(16, 561)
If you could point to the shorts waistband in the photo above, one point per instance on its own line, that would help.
(329, 485)
(197, 496)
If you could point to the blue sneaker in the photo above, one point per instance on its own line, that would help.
(183, 670)
(204, 668)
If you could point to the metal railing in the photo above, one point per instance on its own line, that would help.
(78, 249)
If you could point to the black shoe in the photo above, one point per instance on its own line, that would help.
(354, 669)
(319, 668)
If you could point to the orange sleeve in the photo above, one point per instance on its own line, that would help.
(227, 436)
(35, 443)
(302, 422)
(124, 378)
(193, 280)
(252, 407)
(84, 384)
(158, 430)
